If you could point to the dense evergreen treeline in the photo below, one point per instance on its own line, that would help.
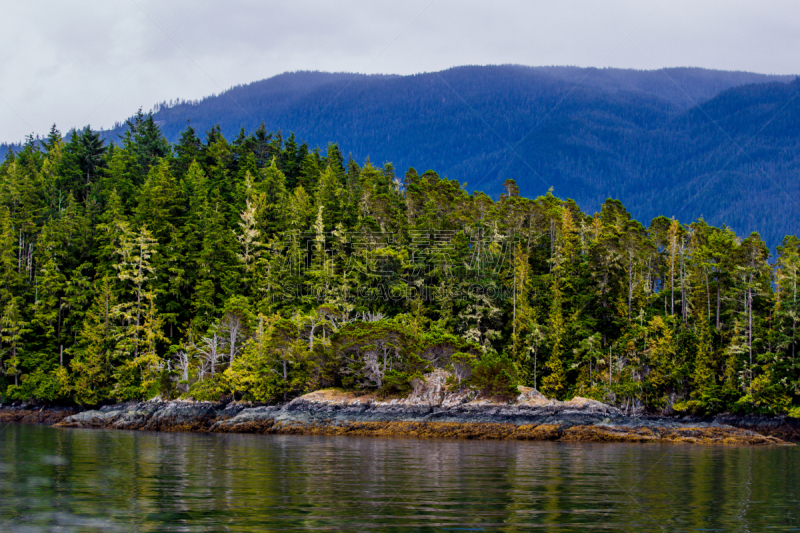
(260, 269)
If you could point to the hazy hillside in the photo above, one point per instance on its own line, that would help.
(685, 87)
(639, 136)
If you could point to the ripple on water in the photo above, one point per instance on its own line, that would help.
(84, 480)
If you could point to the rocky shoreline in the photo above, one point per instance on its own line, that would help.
(27, 414)
(429, 412)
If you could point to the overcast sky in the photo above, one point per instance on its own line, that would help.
(96, 62)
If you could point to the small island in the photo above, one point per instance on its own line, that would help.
(259, 285)
(431, 410)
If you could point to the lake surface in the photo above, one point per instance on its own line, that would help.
(93, 480)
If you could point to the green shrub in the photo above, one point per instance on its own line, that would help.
(378, 355)
(50, 386)
(208, 390)
(495, 374)
(690, 407)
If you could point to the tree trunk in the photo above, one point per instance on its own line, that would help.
(138, 312)
(514, 320)
(20, 252)
(750, 331)
(683, 293)
(630, 281)
(672, 279)
(285, 380)
(60, 309)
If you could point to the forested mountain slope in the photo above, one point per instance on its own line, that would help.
(685, 87)
(683, 142)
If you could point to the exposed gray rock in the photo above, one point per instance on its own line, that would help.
(155, 416)
(430, 402)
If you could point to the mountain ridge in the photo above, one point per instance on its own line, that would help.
(688, 141)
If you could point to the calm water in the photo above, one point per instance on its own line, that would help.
(85, 480)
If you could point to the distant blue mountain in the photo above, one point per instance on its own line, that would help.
(684, 141)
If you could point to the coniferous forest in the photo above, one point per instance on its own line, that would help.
(260, 269)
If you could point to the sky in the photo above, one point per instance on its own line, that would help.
(77, 63)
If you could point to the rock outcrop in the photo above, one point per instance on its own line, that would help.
(430, 411)
(782, 427)
(26, 414)
(177, 415)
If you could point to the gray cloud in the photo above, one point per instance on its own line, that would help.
(96, 62)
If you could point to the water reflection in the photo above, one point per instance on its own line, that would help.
(81, 480)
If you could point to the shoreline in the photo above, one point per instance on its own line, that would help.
(335, 413)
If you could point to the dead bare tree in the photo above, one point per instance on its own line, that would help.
(369, 316)
(183, 366)
(234, 327)
(209, 350)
